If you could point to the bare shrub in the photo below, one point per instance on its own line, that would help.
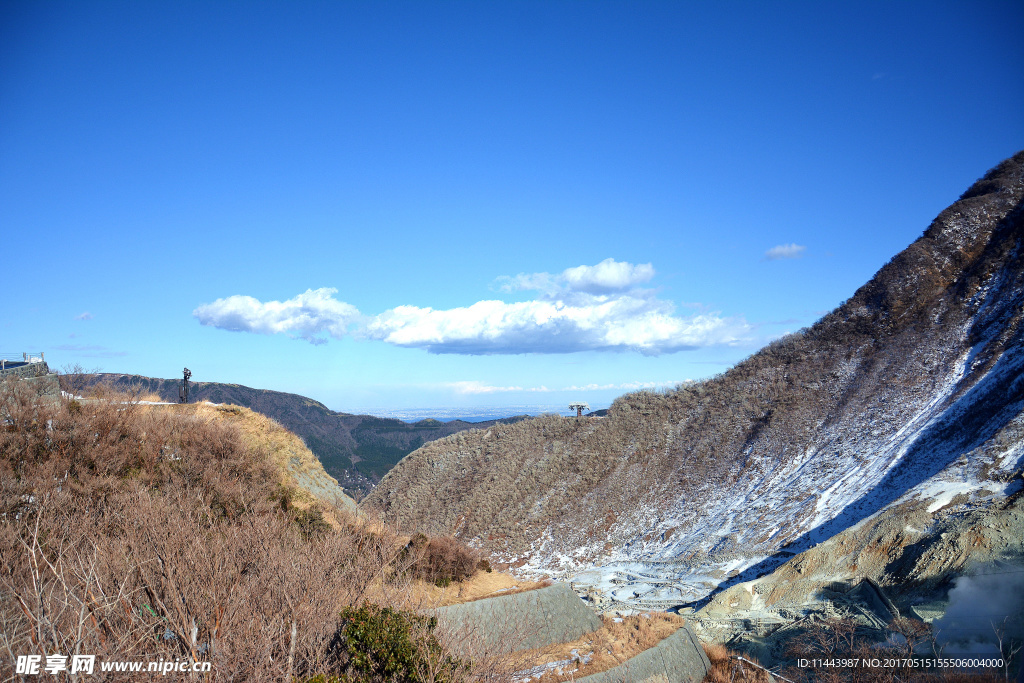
(441, 559)
(138, 533)
(728, 666)
(74, 379)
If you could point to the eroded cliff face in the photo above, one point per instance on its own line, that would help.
(954, 561)
(909, 391)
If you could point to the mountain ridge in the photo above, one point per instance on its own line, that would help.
(355, 449)
(813, 434)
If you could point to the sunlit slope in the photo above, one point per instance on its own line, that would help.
(920, 370)
(355, 449)
(296, 463)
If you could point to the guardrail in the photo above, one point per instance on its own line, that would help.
(26, 366)
(21, 357)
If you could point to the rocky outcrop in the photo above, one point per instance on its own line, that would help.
(906, 562)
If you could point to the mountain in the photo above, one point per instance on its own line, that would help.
(906, 399)
(355, 449)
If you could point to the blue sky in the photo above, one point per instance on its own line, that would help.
(422, 204)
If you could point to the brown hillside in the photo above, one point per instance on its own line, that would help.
(357, 450)
(176, 534)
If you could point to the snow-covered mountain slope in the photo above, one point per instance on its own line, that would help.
(949, 553)
(911, 390)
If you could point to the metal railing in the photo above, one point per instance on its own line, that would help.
(9, 359)
(21, 357)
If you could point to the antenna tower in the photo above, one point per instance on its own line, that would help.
(183, 389)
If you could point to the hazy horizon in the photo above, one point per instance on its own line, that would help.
(467, 413)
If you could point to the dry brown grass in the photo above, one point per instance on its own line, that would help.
(611, 645)
(308, 484)
(519, 586)
(140, 533)
(727, 668)
(421, 594)
(297, 464)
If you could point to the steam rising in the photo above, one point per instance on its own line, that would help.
(992, 598)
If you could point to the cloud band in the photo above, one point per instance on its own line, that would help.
(586, 308)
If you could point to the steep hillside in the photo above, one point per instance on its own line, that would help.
(176, 534)
(916, 375)
(297, 465)
(355, 449)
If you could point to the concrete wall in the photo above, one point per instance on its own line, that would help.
(520, 621)
(676, 659)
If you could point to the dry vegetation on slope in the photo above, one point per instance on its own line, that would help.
(617, 641)
(778, 430)
(171, 533)
(355, 449)
(296, 463)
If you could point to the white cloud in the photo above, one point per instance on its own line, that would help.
(305, 316)
(84, 316)
(783, 251)
(587, 308)
(541, 282)
(629, 321)
(606, 277)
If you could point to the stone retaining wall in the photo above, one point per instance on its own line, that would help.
(35, 377)
(680, 658)
(45, 385)
(521, 621)
(25, 370)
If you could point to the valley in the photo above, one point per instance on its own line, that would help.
(868, 467)
(355, 449)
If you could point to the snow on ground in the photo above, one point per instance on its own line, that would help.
(887, 464)
(942, 492)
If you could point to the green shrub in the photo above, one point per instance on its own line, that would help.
(382, 644)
